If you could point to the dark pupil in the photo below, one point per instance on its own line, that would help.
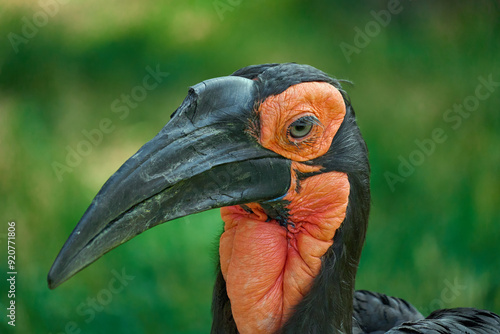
(300, 128)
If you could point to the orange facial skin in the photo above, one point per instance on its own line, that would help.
(278, 112)
(268, 268)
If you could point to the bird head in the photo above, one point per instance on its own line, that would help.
(277, 147)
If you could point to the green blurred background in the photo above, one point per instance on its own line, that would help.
(433, 239)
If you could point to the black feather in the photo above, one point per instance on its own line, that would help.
(377, 313)
(332, 305)
(449, 321)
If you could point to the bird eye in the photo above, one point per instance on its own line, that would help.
(301, 127)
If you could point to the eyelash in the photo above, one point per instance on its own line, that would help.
(310, 140)
(309, 119)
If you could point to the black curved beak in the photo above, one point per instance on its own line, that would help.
(202, 159)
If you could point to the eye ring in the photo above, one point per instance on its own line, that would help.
(302, 127)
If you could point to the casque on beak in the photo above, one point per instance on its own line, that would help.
(202, 159)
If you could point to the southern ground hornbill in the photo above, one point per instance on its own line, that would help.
(294, 196)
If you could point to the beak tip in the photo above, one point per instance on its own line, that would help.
(54, 278)
(51, 282)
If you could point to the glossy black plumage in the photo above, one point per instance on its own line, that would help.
(214, 132)
(376, 313)
(453, 321)
(332, 305)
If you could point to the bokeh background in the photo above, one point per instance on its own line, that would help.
(434, 234)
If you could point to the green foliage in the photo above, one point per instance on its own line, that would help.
(437, 228)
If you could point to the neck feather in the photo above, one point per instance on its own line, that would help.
(270, 266)
(328, 307)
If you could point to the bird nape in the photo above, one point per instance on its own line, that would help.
(277, 148)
